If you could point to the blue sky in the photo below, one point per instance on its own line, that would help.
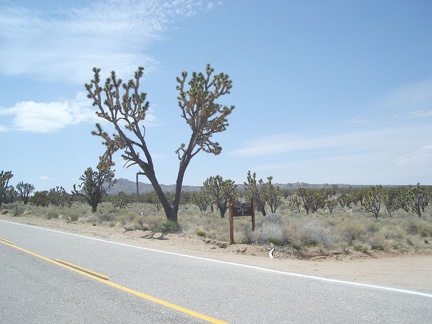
(325, 91)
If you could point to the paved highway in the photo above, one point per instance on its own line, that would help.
(54, 277)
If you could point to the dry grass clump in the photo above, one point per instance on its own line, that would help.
(313, 232)
(351, 231)
(268, 230)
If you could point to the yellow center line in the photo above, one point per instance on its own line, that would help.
(74, 266)
(6, 241)
(104, 279)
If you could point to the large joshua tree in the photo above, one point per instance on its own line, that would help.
(125, 107)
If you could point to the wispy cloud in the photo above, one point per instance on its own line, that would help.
(285, 143)
(421, 114)
(66, 45)
(421, 156)
(46, 178)
(360, 121)
(362, 157)
(407, 99)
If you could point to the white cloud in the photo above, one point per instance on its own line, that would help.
(66, 45)
(48, 117)
(46, 178)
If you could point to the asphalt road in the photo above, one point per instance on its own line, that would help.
(128, 284)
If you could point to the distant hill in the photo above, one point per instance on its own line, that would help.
(129, 187)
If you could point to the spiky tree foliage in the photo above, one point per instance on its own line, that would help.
(294, 203)
(155, 200)
(24, 191)
(4, 184)
(331, 204)
(390, 200)
(256, 189)
(418, 199)
(202, 199)
(345, 199)
(58, 196)
(220, 192)
(125, 107)
(122, 201)
(372, 200)
(272, 195)
(95, 184)
(40, 198)
(307, 197)
(319, 199)
(358, 195)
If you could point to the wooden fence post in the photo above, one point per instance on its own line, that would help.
(231, 222)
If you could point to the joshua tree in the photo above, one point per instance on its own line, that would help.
(220, 192)
(372, 200)
(24, 191)
(127, 111)
(95, 184)
(257, 190)
(418, 199)
(4, 184)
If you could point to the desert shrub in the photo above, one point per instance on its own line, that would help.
(272, 219)
(201, 233)
(19, 210)
(315, 233)
(416, 226)
(360, 248)
(107, 217)
(410, 226)
(392, 232)
(351, 231)
(425, 230)
(13, 208)
(166, 227)
(73, 217)
(52, 214)
(269, 230)
(377, 241)
(373, 227)
(138, 224)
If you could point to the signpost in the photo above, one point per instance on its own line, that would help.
(241, 209)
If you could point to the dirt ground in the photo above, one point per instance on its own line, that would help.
(411, 270)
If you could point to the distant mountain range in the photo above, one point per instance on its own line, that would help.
(129, 187)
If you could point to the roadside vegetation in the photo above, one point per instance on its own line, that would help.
(306, 222)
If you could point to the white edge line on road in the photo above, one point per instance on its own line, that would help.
(292, 274)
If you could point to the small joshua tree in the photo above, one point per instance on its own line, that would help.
(95, 184)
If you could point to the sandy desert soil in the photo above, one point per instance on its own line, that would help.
(404, 270)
